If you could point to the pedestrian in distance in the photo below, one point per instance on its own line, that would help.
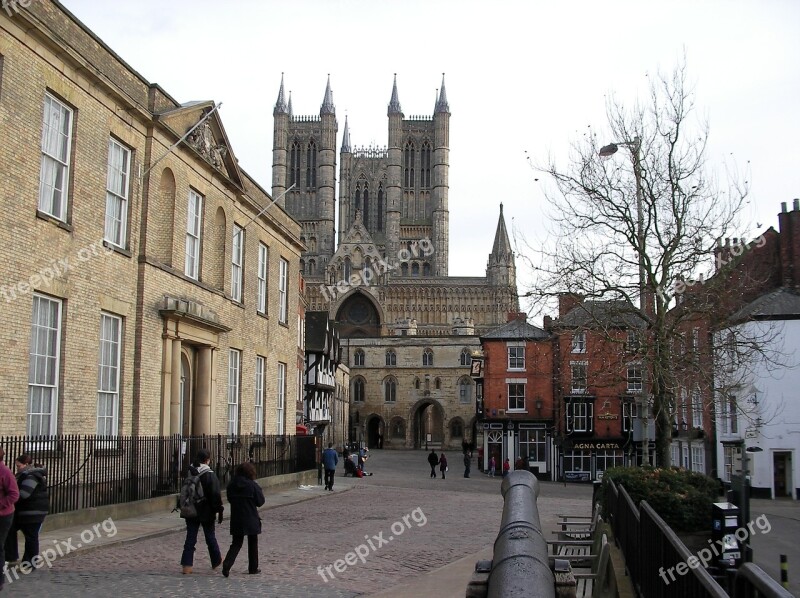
(519, 464)
(467, 463)
(443, 465)
(506, 467)
(329, 460)
(433, 461)
(492, 466)
(246, 497)
(30, 510)
(208, 509)
(9, 495)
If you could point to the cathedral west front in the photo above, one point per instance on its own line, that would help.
(407, 328)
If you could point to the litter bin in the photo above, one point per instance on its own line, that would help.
(724, 523)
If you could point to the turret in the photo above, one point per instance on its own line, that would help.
(326, 191)
(280, 145)
(394, 194)
(501, 270)
(441, 183)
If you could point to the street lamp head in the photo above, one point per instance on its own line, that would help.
(608, 150)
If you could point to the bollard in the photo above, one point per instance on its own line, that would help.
(520, 564)
(784, 571)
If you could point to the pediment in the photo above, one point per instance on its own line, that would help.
(208, 140)
(357, 243)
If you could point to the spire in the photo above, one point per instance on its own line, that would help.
(443, 106)
(280, 105)
(289, 107)
(327, 103)
(394, 103)
(346, 137)
(502, 246)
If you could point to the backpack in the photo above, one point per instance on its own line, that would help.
(191, 496)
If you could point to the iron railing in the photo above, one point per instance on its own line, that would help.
(93, 471)
(651, 549)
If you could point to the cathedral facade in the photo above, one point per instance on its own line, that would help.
(407, 328)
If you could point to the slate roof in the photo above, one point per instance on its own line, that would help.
(780, 304)
(602, 313)
(516, 330)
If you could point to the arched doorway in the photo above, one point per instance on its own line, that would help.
(427, 425)
(374, 432)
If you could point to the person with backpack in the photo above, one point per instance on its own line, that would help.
(30, 510)
(245, 496)
(9, 495)
(200, 502)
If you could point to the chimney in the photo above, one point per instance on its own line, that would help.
(789, 227)
(547, 322)
(566, 301)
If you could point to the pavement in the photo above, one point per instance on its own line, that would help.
(441, 529)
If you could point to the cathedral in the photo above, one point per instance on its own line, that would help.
(407, 328)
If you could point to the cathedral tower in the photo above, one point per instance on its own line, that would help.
(304, 155)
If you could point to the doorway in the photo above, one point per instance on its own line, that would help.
(428, 426)
(185, 397)
(374, 433)
(782, 474)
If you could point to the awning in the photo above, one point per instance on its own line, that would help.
(301, 430)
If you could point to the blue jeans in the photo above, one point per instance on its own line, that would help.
(192, 529)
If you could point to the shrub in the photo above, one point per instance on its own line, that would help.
(681, 498)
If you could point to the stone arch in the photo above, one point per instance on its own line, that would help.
(427, 418)
(375, 429)
(359, 315)
(161, 220)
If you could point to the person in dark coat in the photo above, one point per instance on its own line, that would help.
(30, 510)
(329, 459)
(209, 509)
(9, 495)
(467, 463)
(433, 461)
(245, 496)
(443, 465)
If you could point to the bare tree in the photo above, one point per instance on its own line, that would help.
(633, 232)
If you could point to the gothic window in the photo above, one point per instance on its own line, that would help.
(380, 207)
(359, 357)
(358, 197)
(398, 428)
(312, 267)
(404, 269)
(416, 383)
(390, 390)
(294, 164)
(311, 165)
(358, 390)
(391, 357)
(465, 357)
(457, 428)
(426, 269)
(408, 165)
(437, 384)
(415, 269)
(365, 217)
(346, 274)
(425, 173)
(427, 358)
(302, 267)
(465, 391)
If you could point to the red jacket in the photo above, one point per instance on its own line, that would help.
(9, 493)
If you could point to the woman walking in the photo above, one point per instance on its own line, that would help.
(443, 465)
(30, 510)
(245, 496)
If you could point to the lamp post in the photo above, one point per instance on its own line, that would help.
(635, 147)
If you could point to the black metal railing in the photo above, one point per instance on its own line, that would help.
(653, 552)
(92, 471)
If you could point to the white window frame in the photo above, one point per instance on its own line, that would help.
(117, 189)
(697, 409)
(44, 376)
(258, 413)
(283, 291)
(630, 412)
(516, 358)
(261, 287)
(516, 397)
(55, 164)
(234, 389)
(237, 260)
(635, 377)
(108, 374)
(634, 343)
(579, 342)
(575, 388)
(580, 416)
(698, 459)
(281, 405)
(194, 227)
(465, 391)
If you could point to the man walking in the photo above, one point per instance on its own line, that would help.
(329, 461)
(207, 509)
(433, 461)
(9, 494)
(467, 463)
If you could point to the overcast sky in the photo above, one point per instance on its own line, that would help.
(520, 76)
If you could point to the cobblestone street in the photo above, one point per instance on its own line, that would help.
(403, 523)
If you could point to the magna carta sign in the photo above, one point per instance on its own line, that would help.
(595, 445)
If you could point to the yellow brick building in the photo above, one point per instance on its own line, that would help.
(144, 288)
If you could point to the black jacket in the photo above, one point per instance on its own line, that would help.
(245, 496)
(433, 459)
(34, 499)
(208, 509)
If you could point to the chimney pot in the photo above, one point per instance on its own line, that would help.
(796, 203)
(727, 241)
(783, 206)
